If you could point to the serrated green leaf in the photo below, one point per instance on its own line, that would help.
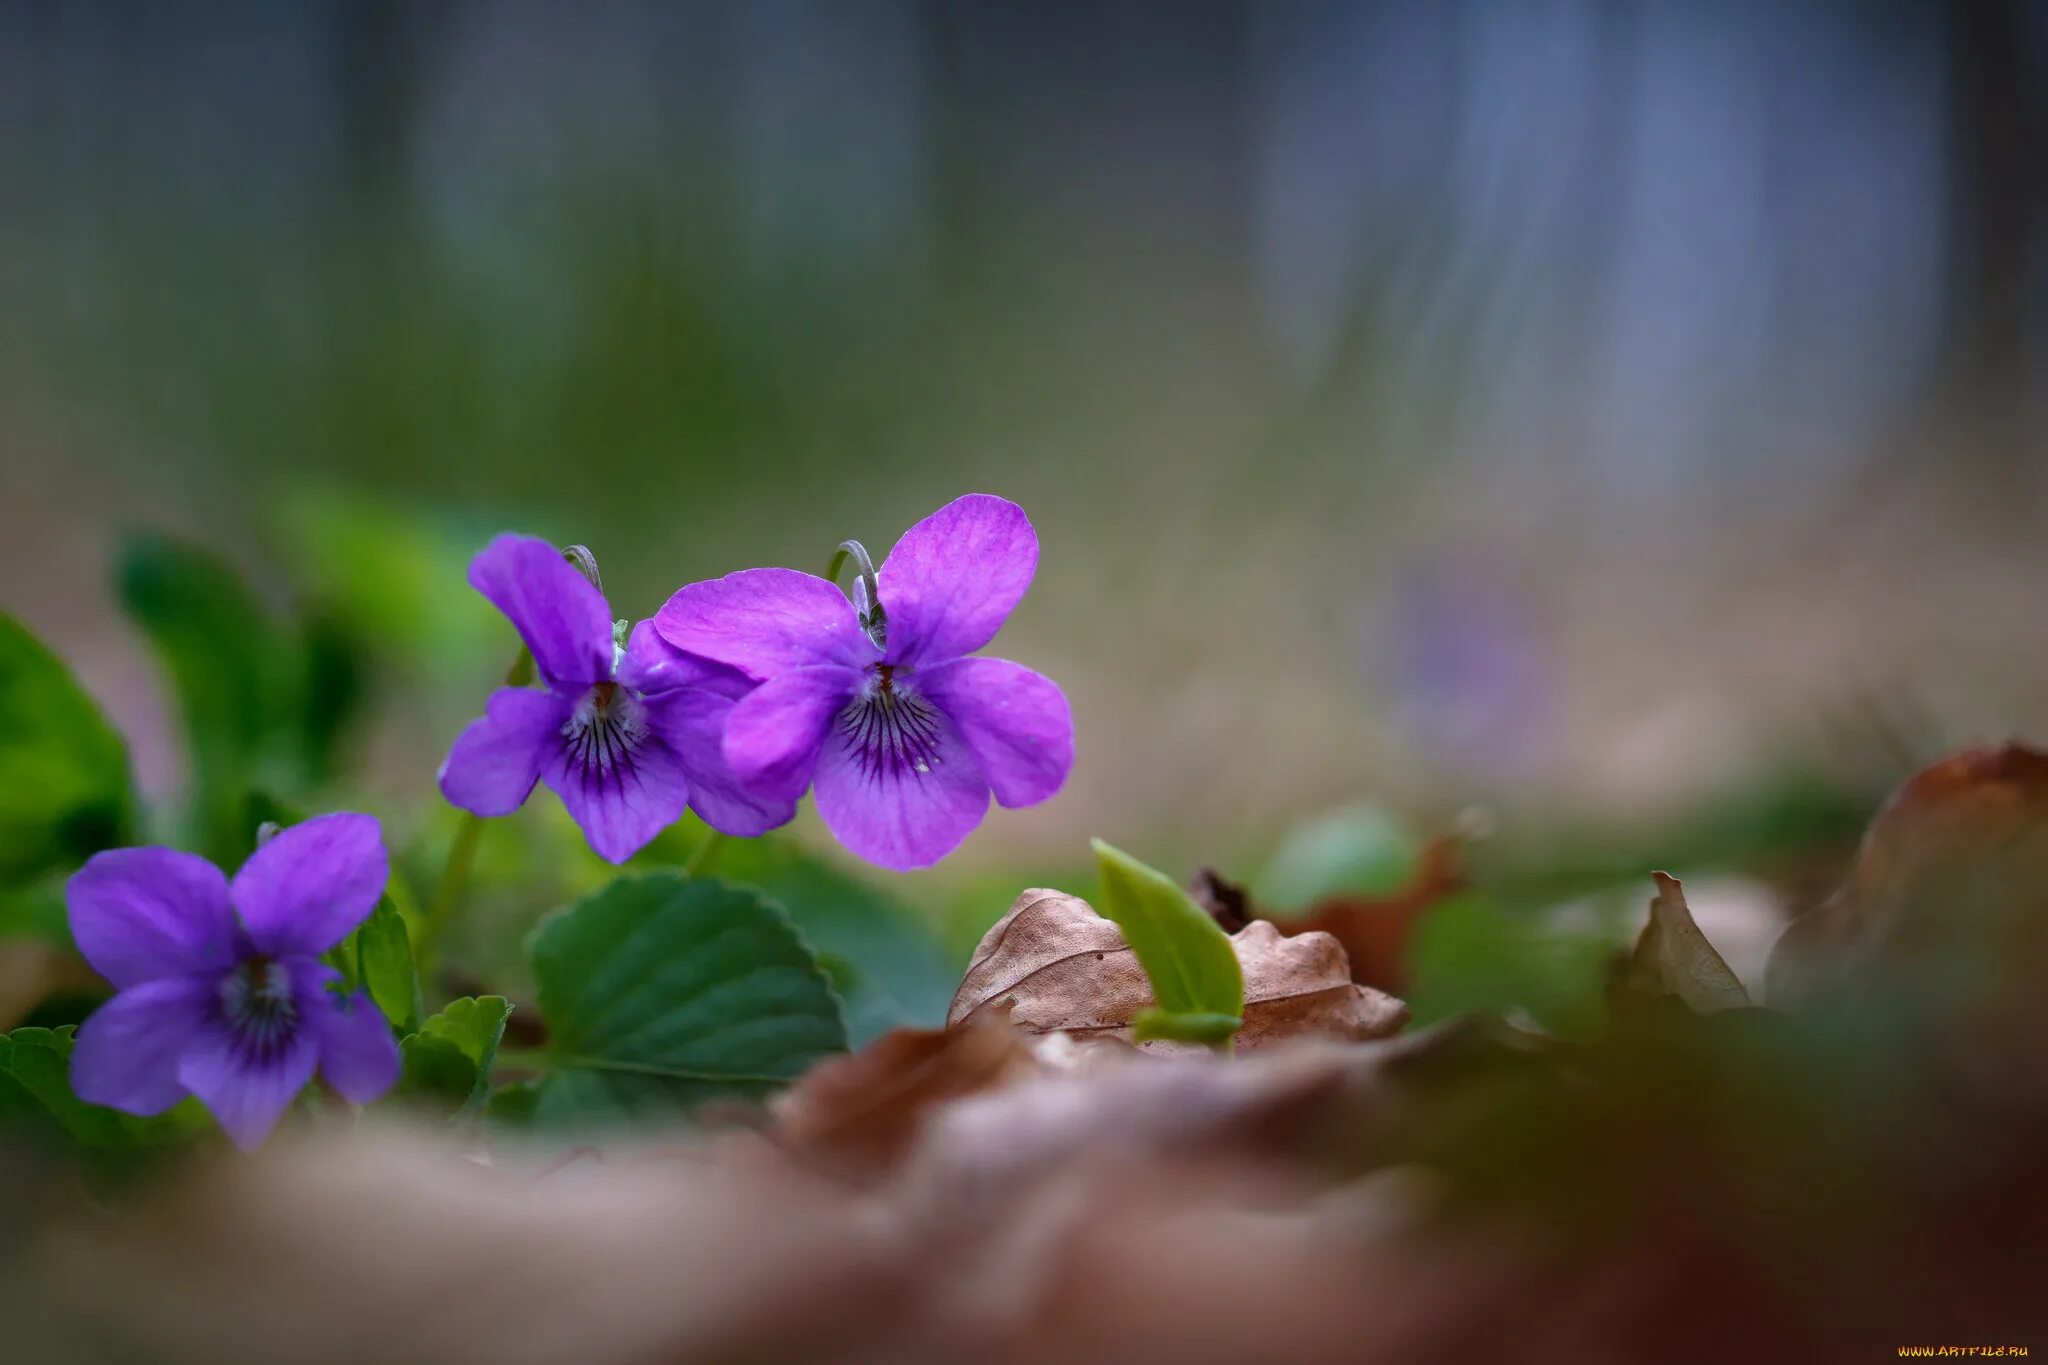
(1186, 956)
(35, 1087)
(66, 793)
(448, 1062)
(384, 965)
(475, 1024)
(436, 1076)
(888, 965)
(662, 992)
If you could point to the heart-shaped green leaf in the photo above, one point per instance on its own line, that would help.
(661, 992)
(448, 1062)
(887, 964)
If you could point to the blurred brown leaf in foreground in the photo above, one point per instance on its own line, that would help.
(1702, 1184)
(1957, 859)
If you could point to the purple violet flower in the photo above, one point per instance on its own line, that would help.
(903, 736)
(221, 991)
(628, 740)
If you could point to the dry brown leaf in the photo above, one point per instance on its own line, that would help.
(1055, 964)
(1159, 1210)
(1961, 849)
(860, 1112)
(1673, 957)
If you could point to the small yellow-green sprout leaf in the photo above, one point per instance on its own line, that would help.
(1187, 957)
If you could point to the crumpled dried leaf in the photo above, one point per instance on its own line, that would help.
(1960, 851)
(1375, 929)
(1057, 965)
(860, 1112)
(1673, 957)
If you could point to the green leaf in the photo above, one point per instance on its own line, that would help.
(1355, 851)
(66, 793)
(333, 689)
(228, 664)
(384, 965)
(448, 1062)
(662, 992)
(35, 1088)
(36, 911)
(889, 966)
(1469, 955)
(1186, 956)
(513, 1106)
(396, 579)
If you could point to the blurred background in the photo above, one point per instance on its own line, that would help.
(1626, 418)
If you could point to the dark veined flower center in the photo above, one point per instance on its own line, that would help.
(893, 730)
(608, 724)
(256, 1006)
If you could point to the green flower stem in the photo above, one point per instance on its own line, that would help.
(461, 853)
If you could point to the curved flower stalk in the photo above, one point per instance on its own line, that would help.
(628, 739)
(222, 993)
(879, 706)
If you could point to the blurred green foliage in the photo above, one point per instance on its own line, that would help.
(35, 1089)
(265, 702)
(1358, 851)
(64, 790)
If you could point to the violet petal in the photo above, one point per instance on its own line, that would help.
(766, 621)
(247, 1090)
(775, 732)
(652, 666)
(622, 804)
(693, 722)
(955, 577)
(126, 1054)
(899, 794)
(1015, 722)
(496, 759)
(139, 914)
(304, 890)
(358, 1055)
(558, 613)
